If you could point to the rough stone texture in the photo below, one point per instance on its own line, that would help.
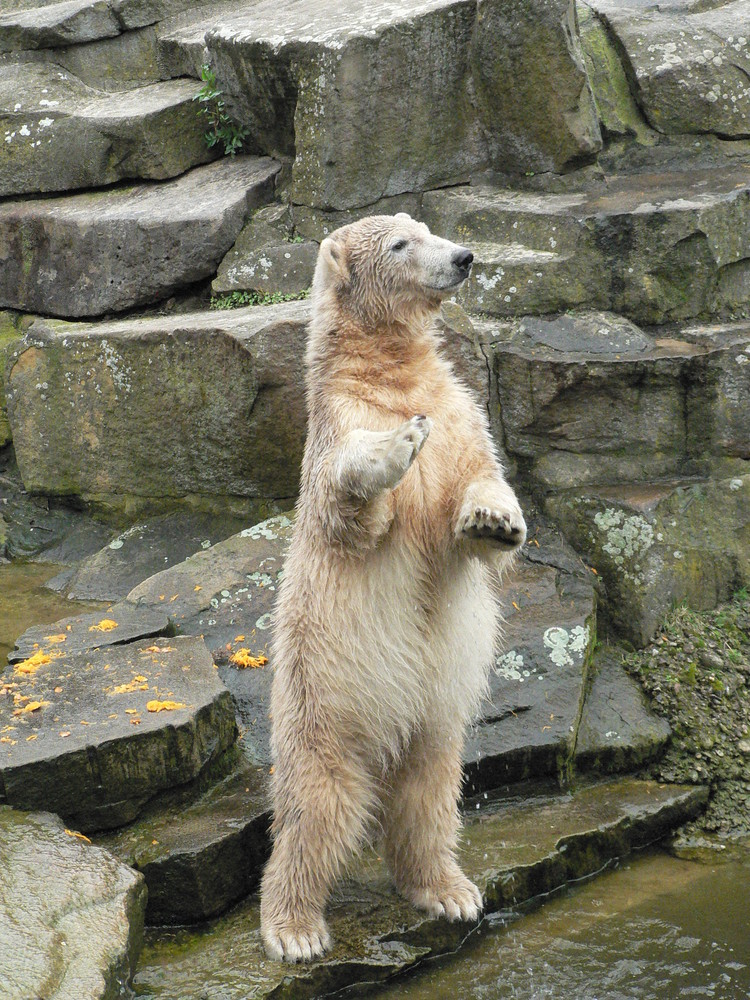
(690, 65)
(618, 731)
(199, 858)
(60, 134)
(589, 398)
(141, 551)
(71, 915)
(10, 334)
(531, 86)
(655, 545)
(266, 257)
(539, 681)
(95, 425)
(124, 62)
(655, 247)
(339, 87)
(116, 755)
(619, 114)
(79, 634)
(515, 852)
(132, 246)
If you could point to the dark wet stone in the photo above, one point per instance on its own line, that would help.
(92, 751)
(143, 550)
(200, 857)
(538, 684)
(82, 633)
(618, 731)
(71, 915)
(516, 851)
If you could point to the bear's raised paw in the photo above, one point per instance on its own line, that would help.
(505, 529)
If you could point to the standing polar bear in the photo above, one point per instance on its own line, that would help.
(387, 617)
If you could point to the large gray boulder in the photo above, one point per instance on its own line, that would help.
(657, 545)
(60, 134)
(104, 251)
(71, 915)
(590, 398)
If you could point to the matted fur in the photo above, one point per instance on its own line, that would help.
(387, 617)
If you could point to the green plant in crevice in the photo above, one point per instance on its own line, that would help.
(222, 128)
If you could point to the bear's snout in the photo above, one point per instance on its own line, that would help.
(463, 259)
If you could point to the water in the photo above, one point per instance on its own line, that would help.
(656, 928)
(24, 601)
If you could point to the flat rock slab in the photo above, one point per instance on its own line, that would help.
(590, 398)
(538, 684)
(690, 65)
(656, 545)
(618, 731)
(82, 633)
(105, 251)
(71, 915)
(515, 852)
(92, 751)
(199, 858)
(143, 550)
(59, 134)
(653, 246)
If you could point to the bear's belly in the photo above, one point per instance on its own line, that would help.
(405, 650)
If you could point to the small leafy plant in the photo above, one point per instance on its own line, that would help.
(222, 129)
(236, 300)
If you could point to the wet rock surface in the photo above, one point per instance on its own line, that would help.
(71, 915)
(94, 736)
(515, 851)
(201, 856)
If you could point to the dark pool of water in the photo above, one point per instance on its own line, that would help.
(654, 928)
(24, 601)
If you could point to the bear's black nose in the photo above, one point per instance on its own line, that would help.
(463, 259)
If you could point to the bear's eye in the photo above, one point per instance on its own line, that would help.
(399, 245)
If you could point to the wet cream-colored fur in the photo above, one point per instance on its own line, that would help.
(387, 617)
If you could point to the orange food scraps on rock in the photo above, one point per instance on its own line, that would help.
(105, 625)
(56, 638)
(164, 706)
(33, 706)
(133, 685)
(158, 649)
(131, 711)
(244, 659)
(80, 836)
(34, 736)
(239, 638)
(64, 734)
(33, 663)
(135, 722)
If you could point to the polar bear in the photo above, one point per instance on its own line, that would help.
(387, 617)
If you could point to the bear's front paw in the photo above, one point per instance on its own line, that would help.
(406, 443)
(296, 941)
(505, 528)
(456, 898)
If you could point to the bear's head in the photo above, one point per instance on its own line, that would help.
(388, 268)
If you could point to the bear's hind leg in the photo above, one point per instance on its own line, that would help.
(421, 824)
(322, 813)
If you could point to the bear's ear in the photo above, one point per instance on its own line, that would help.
(332, 259)
(403, 216)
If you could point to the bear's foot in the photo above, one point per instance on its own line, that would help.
(297, 940)
(454, 897)
(503, 528)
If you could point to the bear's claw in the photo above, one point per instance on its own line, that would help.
(285, 944)
(456, 899)
(503, 528)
